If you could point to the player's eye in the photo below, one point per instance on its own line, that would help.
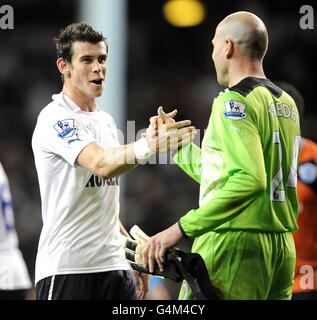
(87, 60)
(102, 59)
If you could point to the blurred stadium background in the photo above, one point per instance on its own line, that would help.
(162, 65)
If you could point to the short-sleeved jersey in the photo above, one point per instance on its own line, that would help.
(13, 270)
(306, 236)
(8, 236)
(80, 211)
(247, 165)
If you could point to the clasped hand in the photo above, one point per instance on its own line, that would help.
(165, 134)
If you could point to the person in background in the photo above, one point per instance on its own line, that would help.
(14, 277)
(305, 281)
(158, 289)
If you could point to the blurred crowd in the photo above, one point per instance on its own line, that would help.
(165, 66)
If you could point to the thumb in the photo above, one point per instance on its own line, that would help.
(166, 117)
(172, 114)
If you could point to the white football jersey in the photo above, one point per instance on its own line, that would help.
(13, 270)
(80, 211)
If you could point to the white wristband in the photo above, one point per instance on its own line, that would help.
(142, 150)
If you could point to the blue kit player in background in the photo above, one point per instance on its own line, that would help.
(14, 277)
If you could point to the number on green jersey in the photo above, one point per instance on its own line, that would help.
(277, 189)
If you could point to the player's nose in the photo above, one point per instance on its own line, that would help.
(96, 66)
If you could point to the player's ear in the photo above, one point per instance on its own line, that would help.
(229, 48)
(63, 67)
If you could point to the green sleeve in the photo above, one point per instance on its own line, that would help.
(188, 159)
(243, 170)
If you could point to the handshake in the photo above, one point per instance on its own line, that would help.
(163, 134)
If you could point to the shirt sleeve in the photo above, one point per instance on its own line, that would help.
(188, 158)
(237, 136)
(63, 135)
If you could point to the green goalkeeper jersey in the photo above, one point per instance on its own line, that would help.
(247, 165)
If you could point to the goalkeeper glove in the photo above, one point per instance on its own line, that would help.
(178, 265)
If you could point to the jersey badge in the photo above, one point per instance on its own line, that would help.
(65, 128)
(234, 110)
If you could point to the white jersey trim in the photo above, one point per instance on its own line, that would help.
(50, 293)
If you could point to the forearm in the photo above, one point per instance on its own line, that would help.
(188, 159)
(114, 162)
(107, 163)
(233, 199)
